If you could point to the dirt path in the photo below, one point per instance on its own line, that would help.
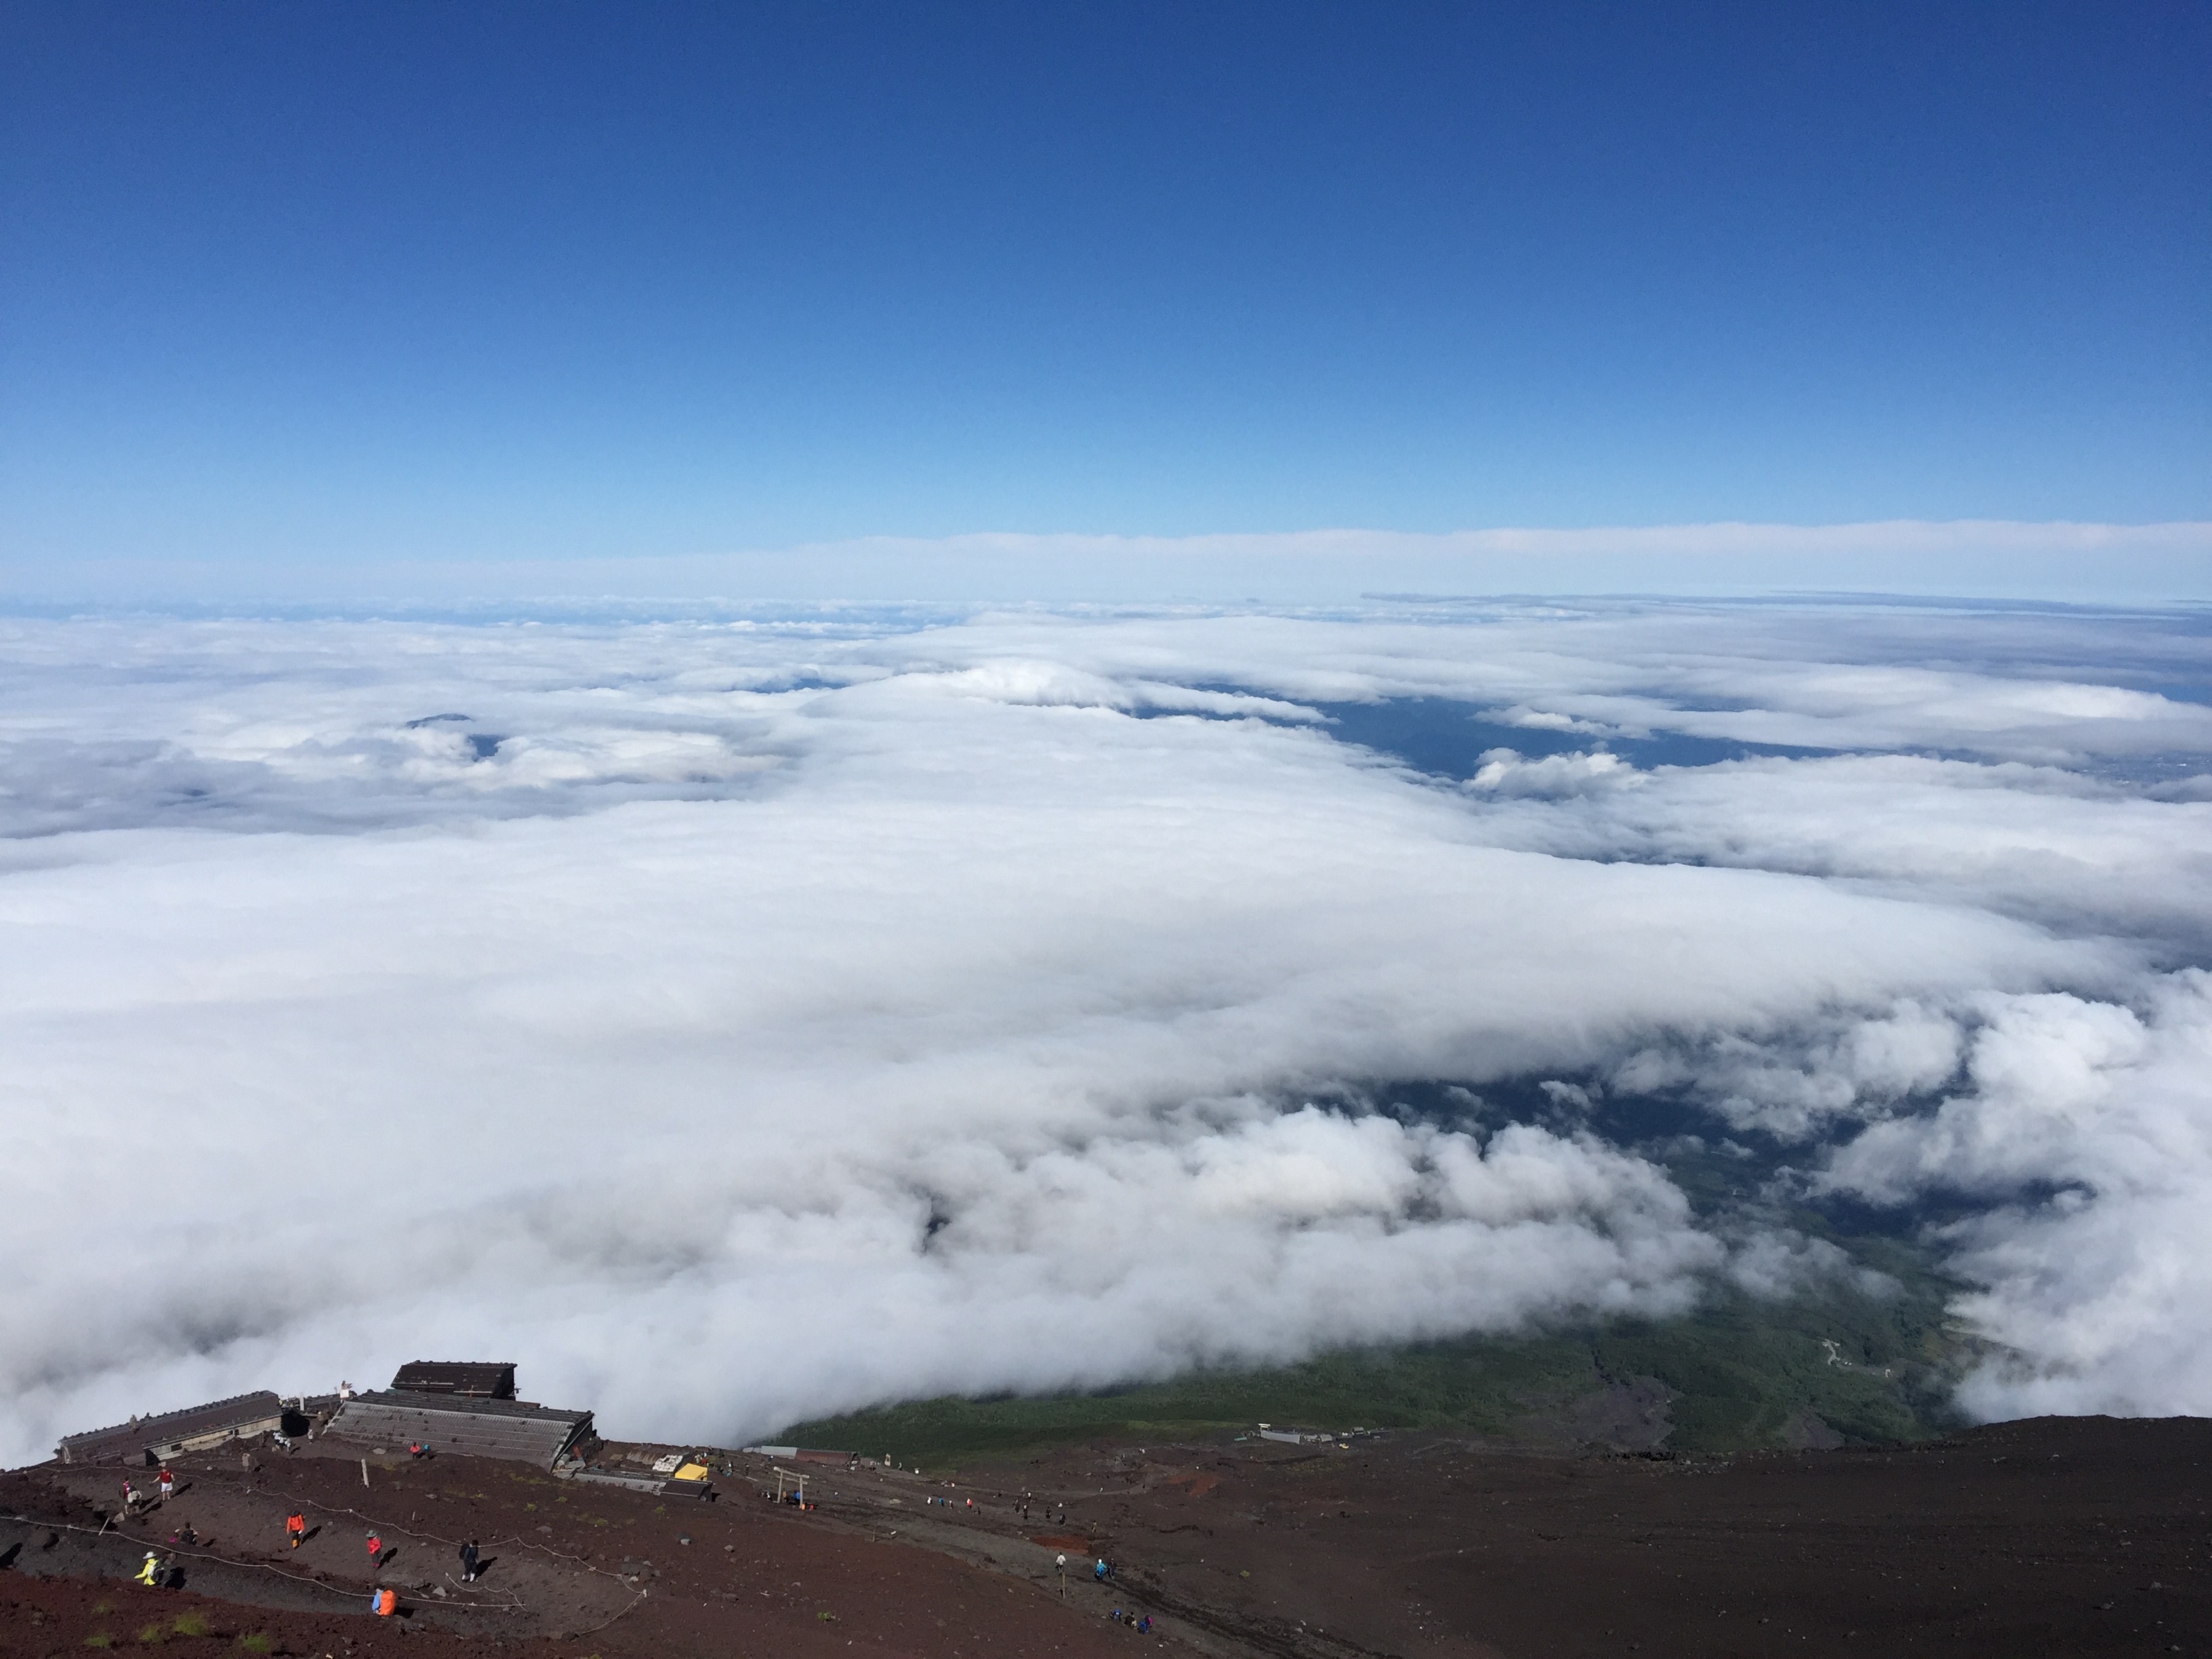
(634, 1577)
(49, 1551)
(526, 1588)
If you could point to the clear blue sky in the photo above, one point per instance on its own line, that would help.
(310, 281)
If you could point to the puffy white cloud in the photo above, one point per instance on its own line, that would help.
(2088, 1129)
(2037, 689)
(1773, 1263)
(2058, 847)
(735, 1023)
(1838, 1068)
(1504, 772)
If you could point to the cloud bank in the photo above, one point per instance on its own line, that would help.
(738, 1022)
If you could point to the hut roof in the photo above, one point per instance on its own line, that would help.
(449, 1423)
(477, 1379)
(131, 1440)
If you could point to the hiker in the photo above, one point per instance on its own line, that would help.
(375, 1551)
(130, 1498)
(1145, 1626)
(345, 1390)
(185, 1535)
(1099, 1573)
(295, 1528)
(150, 1574)
(383, 1603)
(168, 1483)
(469, 1562)
(417, 1450)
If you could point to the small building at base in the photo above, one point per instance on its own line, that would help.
(154, 1440)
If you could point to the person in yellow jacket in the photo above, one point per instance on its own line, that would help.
(150, 1574)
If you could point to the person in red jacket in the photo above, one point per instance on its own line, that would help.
(375, 1551)
(295, 1529)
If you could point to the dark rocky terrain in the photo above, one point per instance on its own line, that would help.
(2048, 1537)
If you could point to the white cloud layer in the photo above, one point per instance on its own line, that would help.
(737, 1023)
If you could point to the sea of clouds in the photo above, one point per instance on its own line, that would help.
(737, 1019)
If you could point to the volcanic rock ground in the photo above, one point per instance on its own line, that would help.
(2051, 1537)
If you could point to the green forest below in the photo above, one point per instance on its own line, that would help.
(1744, 1370)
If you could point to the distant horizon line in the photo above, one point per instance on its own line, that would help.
(2066, 562)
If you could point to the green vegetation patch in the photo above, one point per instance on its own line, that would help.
(1485, 1385)
(1871, 1361)
(1862, 1352)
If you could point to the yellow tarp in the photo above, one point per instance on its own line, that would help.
(692, 1472)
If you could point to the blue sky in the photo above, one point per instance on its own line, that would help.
(303, 287)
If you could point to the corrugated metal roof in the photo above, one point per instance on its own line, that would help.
(478, 1379)
(127, 1440)
(448, 1423)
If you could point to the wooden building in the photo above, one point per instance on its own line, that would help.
(511, 1429)
(156, 1439)
(471, 1379)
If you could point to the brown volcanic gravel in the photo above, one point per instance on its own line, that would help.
(2052, 1537)
(606, 1563)
(2049, 1537)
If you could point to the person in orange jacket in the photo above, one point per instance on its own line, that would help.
(295, 1528)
